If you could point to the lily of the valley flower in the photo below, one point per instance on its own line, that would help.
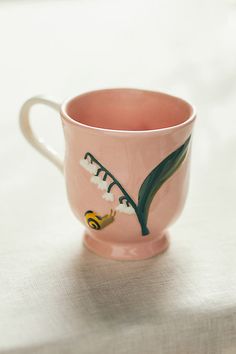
(102, 185)
(100, 182)
(95, 179)
(108, 197)
(88, 166)
(92, 168)
(123, 208)
(84, 163)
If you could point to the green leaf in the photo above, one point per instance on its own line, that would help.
(159, 175)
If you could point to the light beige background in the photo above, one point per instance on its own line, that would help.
(55, 296)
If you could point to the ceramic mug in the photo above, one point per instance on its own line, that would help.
(126, 166)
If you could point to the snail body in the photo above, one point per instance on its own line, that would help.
(98, 222)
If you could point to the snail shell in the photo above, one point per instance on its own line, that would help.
(98, 222)
(93, 220)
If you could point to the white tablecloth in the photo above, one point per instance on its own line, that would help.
(57, 297)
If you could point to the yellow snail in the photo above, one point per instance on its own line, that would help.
(98, 222)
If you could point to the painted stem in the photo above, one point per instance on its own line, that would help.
(126, 196)
(98, 171)
(110, 186)
(123, 197)
(105, 177)
(144, 228)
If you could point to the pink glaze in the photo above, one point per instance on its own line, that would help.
(128, 131)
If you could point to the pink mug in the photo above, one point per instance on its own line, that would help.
(126, 166)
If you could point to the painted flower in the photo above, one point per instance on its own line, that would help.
(102, 185)
(109, 197)
(95, 179)
(92, 168)
(88, 166)
(84, 163)
(123, 208)
(130, 210)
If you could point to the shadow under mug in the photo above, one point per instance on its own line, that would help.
(126, 166)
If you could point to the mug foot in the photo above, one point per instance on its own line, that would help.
(127, 251)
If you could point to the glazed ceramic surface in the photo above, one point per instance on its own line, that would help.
(126, 166)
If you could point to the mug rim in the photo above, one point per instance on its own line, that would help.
(70, 120)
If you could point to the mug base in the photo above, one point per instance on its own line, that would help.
(127, 251)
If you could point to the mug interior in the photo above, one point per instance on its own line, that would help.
(128, 109)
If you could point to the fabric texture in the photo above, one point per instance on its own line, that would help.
(56, 296)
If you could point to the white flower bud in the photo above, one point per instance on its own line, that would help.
(123, 208)
(95, 179)
(84, 163)
(102, 185)
(108, 197)
(130, 210)
(92, 168)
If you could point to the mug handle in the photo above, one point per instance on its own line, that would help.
(32, 138)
